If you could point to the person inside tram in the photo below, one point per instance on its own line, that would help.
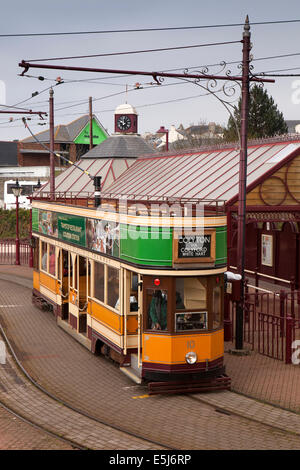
(158, 311)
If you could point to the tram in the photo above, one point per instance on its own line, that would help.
(139, 282)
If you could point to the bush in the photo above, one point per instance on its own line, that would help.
(8, 223)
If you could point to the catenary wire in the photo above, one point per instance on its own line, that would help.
(171, 28)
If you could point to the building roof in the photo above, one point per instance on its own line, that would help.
(206, 174)
(125, 109)
(120, 146)
(8, 154)
(65, 133)
(75, 181)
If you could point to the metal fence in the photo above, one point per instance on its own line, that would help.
(271, 323)
(8, 252)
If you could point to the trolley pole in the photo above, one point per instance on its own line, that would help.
(243, 183)
(51, 130)
(97, 192)
(91, 121)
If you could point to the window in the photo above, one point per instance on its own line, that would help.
(191, 304)
(113, 287)
(191, 293)
(134, 293)
(99, 281)
(52, 260)
(157, 306)
(216, 305)
(44, 259)
(191, 321)
(36, 252)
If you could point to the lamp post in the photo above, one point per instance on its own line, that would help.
(17, 190)
(162, 130)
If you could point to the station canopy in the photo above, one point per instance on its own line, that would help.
(109, 160)
(207, 174)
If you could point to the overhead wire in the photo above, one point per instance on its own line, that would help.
(139, 30)
(161, 49)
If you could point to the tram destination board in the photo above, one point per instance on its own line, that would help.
(193, 247)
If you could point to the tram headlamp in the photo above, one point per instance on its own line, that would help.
(191, 357)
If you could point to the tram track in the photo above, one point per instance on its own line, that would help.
(218, 409)
(17, 415)
(77, 445)
(74, 444)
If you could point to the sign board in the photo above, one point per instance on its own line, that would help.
(71, 229)
(191, 247)
(267, 250)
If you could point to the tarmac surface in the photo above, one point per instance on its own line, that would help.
(94, 385)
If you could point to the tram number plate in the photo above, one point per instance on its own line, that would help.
(194, 246)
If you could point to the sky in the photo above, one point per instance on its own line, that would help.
(174, 102)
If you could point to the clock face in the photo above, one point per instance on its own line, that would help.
(124, 123)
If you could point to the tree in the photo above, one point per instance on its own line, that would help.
(265, 120)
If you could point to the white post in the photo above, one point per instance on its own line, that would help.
(2, 353)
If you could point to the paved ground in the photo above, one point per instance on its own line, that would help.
(25, 399)
(96, 386)
(15, 434)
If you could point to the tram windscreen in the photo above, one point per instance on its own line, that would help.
(191, 293)
(191, 321)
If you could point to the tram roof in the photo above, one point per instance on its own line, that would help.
(207, 174)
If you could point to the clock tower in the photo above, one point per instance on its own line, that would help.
(125, 119)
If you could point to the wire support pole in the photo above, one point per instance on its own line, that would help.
(243, 181)
(51, 130)
(91, 121)
(154, 75)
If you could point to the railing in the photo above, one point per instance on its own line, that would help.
(271, 322)
(8, 252)
(77, 198)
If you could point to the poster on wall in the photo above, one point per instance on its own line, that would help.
(103, 236)
(267, 250)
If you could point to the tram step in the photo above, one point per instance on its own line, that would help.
(131, 374)
(134, 365)
(222, 382)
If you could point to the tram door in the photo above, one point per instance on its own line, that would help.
(63, 267)
(82, 302)
(133, 312)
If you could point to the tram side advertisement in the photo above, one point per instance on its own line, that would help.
(98, 235)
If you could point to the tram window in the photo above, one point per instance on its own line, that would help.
(191, 321)
(44, 264)
(216, 307)
(113, 288)
(75, 277)
(191, 293)
(157, 303)
(134, 293)
(59, 266)
(99, 281)
(52, 260)
(36, 251)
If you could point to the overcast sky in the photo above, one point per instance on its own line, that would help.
(35, 16)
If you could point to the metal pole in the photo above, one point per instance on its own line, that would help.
(97, 193)
(52, 161)
(243, 183)
(17, 232)
(91, 122)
